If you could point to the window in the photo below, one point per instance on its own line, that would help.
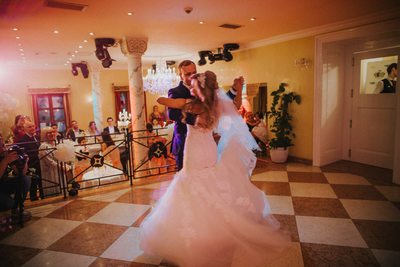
(51, 106)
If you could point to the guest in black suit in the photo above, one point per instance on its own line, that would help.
(186, 69)
(75, 132)
(111, 128)
(60, 135)
(30, 142)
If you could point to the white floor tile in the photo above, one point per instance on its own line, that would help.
(119, 213)
(392, 193)
(329, 231)
(42, 211)
(271, 176)
(41, 233)
(298, 167)
(59, 259)
(345, 178)
(107, 197)
(387, 258)
(312, 190)
(281, 205)
(126, 248)
(371, 210)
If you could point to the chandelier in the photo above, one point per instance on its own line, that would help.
(160, 78)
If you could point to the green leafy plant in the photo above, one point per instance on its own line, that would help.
(281, 126)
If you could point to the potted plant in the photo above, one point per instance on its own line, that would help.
(281, 126)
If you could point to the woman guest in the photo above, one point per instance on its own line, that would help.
(18, 128)
(159, 116)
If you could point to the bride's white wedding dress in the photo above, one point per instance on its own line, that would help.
(211, 214)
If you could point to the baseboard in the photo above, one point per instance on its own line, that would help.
(299, 160)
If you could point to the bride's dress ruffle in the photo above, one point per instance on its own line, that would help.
(211, 214)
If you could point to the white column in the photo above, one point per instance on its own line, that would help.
(134, 48)
(96, 95)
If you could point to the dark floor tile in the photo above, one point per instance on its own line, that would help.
(288, 225)
(268, 165)
(319, 207)
(139, 221)
(90, 239)
(273, 188)
(307, 177)
(142, 196)
(397, 204)
(78, 210)
(380, 235)
(326, 255)
(365, 192)
(16, 256)
(102, 262)
(375, 175)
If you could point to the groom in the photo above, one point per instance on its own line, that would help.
(186, 69)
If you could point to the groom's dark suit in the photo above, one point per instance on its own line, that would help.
(180, 130)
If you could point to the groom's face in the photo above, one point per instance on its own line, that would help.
(186, 72)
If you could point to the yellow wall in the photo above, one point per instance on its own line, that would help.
(274, 64)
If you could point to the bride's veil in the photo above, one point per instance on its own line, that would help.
(231, 126)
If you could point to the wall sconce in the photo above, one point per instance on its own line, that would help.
(84, 68)
(303, 63)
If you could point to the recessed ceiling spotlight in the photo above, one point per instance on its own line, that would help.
(15, 29)
(21, 49)
(22, 54)
(253, 19)
(72, 55)
(65, 64)
(18, 37)
(76, 51)
(80, 47)
(56, 32)
(130, 13)
(85, 41)
(19, 44)
(201, 22)
(91, 33)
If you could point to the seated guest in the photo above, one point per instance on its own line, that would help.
(157, 115)
(18, 128)
(12, 194)
(74, 132)
(110, 151)
(111, 128)
(48, 162)
(31, 144)
(60, 135)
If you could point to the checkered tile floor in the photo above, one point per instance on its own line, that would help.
(344, 214)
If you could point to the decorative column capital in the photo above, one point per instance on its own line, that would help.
(131, 45)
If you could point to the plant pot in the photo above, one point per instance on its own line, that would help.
(279, 154)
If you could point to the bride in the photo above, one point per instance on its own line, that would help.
(211, 214)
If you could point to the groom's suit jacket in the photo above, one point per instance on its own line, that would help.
(180, 129)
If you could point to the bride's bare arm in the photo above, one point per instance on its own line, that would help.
(177, 103)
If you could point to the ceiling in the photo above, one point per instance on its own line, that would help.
(172, 33)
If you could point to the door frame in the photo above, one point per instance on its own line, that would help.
(351, 37)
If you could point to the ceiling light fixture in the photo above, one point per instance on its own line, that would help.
(161, 77)
(130, 13)
(56, 32)
(201, 22)
(102, 52)
(91, 33)
(83, 66)
(252, 19)
(85, 41)
(15, 29)
(222, 54)
(18, 37)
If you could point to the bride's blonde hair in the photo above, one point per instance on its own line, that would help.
(206, 109)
